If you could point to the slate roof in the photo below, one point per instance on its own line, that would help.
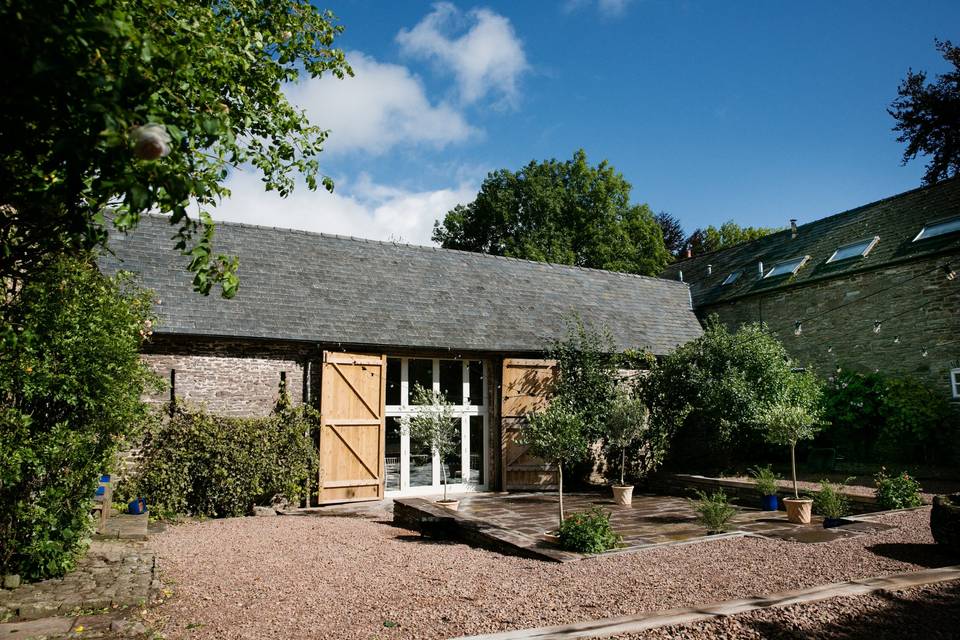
(296, 285)
(896, 220)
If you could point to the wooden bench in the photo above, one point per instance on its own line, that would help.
(103, 501)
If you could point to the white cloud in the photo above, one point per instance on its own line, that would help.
(364, 209)
(486, 59)
(608, 8)
(381, 107)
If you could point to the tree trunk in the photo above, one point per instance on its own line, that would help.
(623, 465)
(793, 466)
(443, 476)
(560, 489)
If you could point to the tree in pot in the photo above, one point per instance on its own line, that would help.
(433, 426)
(556, 434)
(627, 421)
(787, 423)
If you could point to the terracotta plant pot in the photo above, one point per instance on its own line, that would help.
(623, 494)
(945, 521)
(551, 536)
(798, 509)
(453, 505)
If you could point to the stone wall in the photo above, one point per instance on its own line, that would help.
(229, 377)
(914, 300)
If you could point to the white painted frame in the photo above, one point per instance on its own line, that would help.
(871, 244)
(955, 383)
(462, 411)
(803, 260)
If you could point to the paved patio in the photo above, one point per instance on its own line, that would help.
(521, 519)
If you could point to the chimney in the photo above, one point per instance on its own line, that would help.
(680, 275)
(793, 228)
(709, 269)
(760, 268)
(689, 251)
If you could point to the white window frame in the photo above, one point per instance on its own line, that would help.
(732, 277)
(803, 260)
(921, 235)
(862, 254)
(463, 411)
(955, 383)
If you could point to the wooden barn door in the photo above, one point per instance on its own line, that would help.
(351, 427)
(526, 386)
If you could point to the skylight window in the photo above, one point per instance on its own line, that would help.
(939, 228)
(854, 249)
(787, 267)
(730, 279)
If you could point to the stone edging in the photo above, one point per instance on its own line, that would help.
(632, 624)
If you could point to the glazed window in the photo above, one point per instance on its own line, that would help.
(730, 279)
(955, 382)
(787, 267)
(933, 229)
(854, 250)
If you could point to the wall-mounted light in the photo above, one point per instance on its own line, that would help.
(923, 352)
(876, 326)
(797, 328)
(896, 340)
(949, 272)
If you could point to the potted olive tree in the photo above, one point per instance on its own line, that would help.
(626, 422)
(556, 434)
(787, 423)
(433, 426)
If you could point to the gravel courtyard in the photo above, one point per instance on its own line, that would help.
(337, 577)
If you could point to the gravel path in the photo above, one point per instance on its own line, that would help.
(334, 577)
(930, 613)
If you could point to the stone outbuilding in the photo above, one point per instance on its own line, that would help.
(872, 288)
(352, 325)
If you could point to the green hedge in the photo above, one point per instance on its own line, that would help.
(206, 465)
(71, 380)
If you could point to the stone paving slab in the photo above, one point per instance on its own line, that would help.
(125, 527)
(632, 624)
(112, 574)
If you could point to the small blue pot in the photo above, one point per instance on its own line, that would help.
(137, 506)
(771, 503)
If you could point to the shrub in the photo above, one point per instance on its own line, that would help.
(588, 532)
(204, 465)
(898, 492)
(714, 511)
(830, 501)
(765, 480)
(70, 386)
(626, 424)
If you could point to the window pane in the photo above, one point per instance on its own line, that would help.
(853, 250)
(421, 465)
(453, 462)
(393, 381)
(476, 383)
(733, 277)
(392, 453)
(475, 472)
(420, 372)
(940, 228)
(451, 380)
(784, 268)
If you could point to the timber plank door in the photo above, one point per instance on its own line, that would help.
(526, 386)
(352, 392)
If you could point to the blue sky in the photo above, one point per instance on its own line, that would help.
(755, 111)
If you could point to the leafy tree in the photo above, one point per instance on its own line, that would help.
(673, 237)
(793, 417)
(710, 396)
(727, 235)
(556, 434)
(433, 426)
(135, 106)
(626, 423)
(70, 390)
(928, 117)
(562, 212)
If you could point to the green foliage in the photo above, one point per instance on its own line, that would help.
(587, 373)
(70, 388)
(727, 235)
(830, 501)
(765, 480)
(927, 117)
(710, 396)
(433, 426)
(555, 434)
(141, 106)
(873, 416)
(588, 532)
(205, 465)
(788, 422)
(714, 511)
(898, 492)
(626, 423)
(562, 212)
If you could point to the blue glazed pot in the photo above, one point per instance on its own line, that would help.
(771, 503)
(138, 506)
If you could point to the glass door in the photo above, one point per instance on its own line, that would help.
(412, 469)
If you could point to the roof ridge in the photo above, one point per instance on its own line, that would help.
(419, 247)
